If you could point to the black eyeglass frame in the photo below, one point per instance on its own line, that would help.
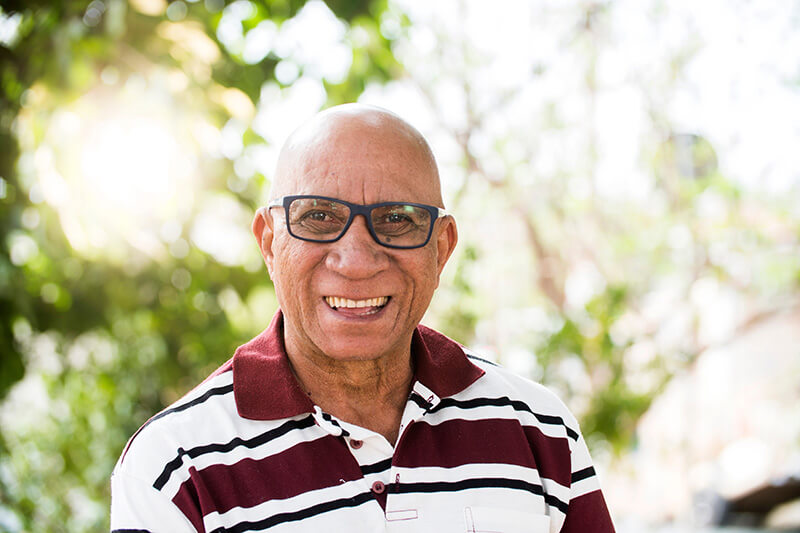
(355, 210)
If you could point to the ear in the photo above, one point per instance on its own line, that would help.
(263, 231)
(446, 239)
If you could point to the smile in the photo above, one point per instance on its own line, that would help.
(374, 304)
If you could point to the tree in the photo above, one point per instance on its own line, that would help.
(114, 303)
(603, 245)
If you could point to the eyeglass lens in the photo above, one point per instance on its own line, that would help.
(400, 225)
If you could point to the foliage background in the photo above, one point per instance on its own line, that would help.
(621, 210)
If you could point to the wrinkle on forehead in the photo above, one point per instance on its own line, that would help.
(357, 138)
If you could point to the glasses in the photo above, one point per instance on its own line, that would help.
(394, 224)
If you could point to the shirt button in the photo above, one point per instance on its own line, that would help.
(356, 444)
(378, 487)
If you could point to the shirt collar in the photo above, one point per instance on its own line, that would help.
(265, 387)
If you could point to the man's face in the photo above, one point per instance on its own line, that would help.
(391, 288)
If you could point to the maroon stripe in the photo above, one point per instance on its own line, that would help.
(460, 442)
(588, 514)
(552, 455)
(188, 501)
(304, 467)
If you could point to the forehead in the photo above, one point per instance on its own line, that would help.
(362, 161)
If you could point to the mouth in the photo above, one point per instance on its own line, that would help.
(368, 306)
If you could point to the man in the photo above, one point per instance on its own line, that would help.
(345, 414)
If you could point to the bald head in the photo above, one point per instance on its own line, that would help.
(361, 153)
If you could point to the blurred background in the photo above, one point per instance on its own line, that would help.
(625, 175)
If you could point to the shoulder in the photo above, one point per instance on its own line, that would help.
(473, 376)
(521, 394)
(503, 379)
(185, 423)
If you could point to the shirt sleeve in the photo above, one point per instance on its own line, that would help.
(136, 506)
(587, 511)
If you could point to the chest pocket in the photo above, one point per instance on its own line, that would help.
(499, 520)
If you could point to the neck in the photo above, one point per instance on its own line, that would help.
(370, 393)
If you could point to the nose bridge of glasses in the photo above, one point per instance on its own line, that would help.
(354, 210)
(356, 220)
(364, 210)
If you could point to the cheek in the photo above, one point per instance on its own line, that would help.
(284, 265)
(425, 273)
(294, 264)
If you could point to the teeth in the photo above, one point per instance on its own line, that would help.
(335, 301)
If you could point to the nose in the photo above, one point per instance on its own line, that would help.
(356, 255)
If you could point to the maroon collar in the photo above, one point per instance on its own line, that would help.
(265, 387)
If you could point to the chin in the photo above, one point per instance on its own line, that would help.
(360, 353)
(356, 349)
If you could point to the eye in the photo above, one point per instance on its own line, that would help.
(396, 218)
(394, 221)
(317, 220)
(317, 216)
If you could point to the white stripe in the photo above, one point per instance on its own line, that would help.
(290, 505)
(366, 518)
(538, 397)
(478, 471)
(501, 413)
(585, 486)
(273, 447)
(432, 474)
(580, 456)
(556, 490)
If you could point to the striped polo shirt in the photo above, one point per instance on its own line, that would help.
(479, 450)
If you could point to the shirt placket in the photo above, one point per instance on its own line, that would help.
(368, 448)
(400, 516)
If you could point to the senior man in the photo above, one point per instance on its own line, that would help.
(345, 414)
